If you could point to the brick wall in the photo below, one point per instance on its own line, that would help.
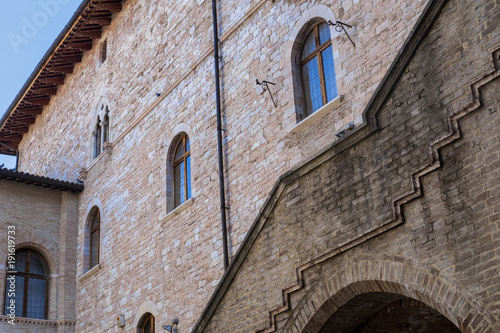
(410, 209)
(153, 47)
(45, 220)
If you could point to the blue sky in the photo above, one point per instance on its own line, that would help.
(27, 30)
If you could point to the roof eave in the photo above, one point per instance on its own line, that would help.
(36, 72)
(40, 181)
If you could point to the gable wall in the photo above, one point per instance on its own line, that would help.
(165, 47)
(334, 222)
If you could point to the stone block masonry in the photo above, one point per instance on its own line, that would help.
(411, 209)
(174, 262)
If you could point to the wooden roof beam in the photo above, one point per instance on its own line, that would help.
(12, 138)
(31, 110)
(65, 68)
(89, 32)
(75, 58)
(46, 90)
(19, 129)
(80, 45)
(5, 150)
(42, 100)
(26, 120)
(114, 6)
(87, 27)
(103, 20)
(52, 79)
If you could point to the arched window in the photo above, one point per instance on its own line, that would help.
(317, 68)
(100, 133)
(31, 286)
(146, 324)
(105, 126)
(95, 224)
(182, 171)
(97, 138)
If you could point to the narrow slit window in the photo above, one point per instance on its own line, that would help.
(182, 171)
(95, 238)
(97, 138)
(101, 130)
(104, 51)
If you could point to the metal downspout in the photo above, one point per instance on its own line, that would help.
(219, 136)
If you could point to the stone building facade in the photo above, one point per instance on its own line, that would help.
(384, 199)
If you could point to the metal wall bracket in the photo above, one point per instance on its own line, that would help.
(348, 128)
(339, 26)
(265, 86)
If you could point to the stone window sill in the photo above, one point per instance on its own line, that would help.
(40, 322)
(164, 217)
(91, 272)
(107, 150)
(318, 115)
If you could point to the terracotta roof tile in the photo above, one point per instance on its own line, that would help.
(22, 177)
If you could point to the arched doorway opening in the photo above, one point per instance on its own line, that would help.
(379, 312)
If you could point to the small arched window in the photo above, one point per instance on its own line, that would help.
(317, 68)
(31, 286)
(97, 138)
(95, 224)
(146, 324)
(100, 133)
(105, 126)
(182, 171)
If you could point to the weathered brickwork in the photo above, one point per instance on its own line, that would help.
(158, 81)
(169, 54)
(445, 252)
(44, 220)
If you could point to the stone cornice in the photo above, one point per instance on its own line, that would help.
(38, 322)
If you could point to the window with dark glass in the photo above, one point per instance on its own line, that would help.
(95, 224)
(97, 138)
(104, 51)
(105, 127)
(182, 171)
(317, 69)
(31, 285)
(101, 131)
(147, 324)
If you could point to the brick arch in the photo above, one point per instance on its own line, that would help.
(398, 276)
